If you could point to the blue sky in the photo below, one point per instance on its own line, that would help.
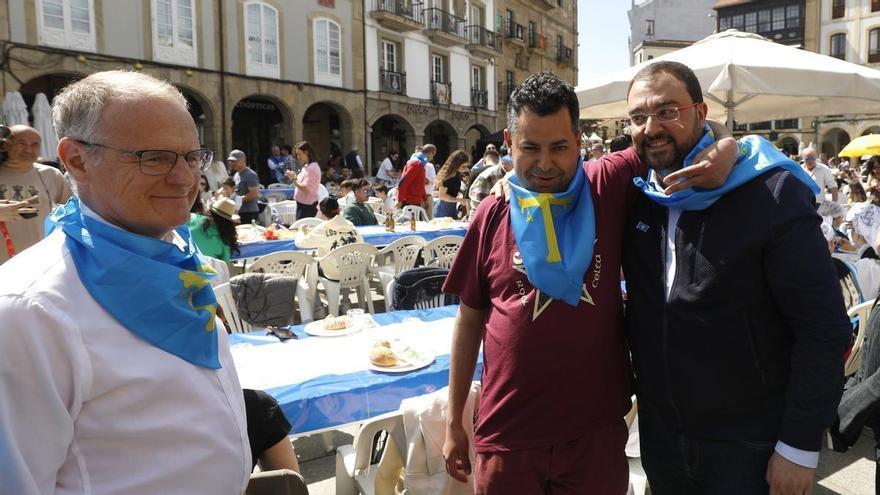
(603, 31)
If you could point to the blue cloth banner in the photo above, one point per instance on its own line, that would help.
(555, 233)
(154, 289)
(756, 156)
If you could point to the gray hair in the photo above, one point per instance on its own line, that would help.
(77, 109)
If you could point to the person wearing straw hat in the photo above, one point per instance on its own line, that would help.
(214, 233)
(116, 373)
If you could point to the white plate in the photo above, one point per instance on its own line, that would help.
(424, 359)
(317, 329)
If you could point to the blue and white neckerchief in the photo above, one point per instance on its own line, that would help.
(756, 156)
(555, 233)
(153, 288)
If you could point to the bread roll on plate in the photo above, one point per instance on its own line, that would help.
(381, 354)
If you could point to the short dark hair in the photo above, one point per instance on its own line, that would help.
(288, 148)
(329, 207)
(677, 70)
(380, 188)
(543, 94)
(348, 184)
(229, 181)
(621, 143)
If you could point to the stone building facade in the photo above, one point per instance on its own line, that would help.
(849, 30)
(429, 75)
(256, 73)
(538, 35)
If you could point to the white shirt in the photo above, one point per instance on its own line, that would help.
(824, 179)
(90, 408)
(430, 175)
(384, 171)
(801, 457)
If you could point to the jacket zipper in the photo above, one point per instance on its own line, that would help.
(665, 330)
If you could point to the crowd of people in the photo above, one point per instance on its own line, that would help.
(731, 332)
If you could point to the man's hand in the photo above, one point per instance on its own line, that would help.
(709, 170)
(501, 189)
(9, 210)
(788, 478)
(455, 452)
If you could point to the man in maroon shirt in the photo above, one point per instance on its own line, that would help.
(555, 380)
(411, 189)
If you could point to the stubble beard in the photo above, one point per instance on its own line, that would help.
(664, 163)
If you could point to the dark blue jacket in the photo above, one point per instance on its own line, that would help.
(750, 343)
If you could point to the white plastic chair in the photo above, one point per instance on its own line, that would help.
(352, 262)
(226, 301)
(286, 211)
(275, 197)
(377, 206)
(298, 265)
(354, 471)
(322, 192)
(278, 185)
(860, 311)
(310, 221)
(442, 250)
(392, 193)
(394, 258)
(418, 212)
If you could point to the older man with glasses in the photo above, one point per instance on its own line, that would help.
(116, 374)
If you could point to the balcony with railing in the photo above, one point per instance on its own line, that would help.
(537, 41)
(398, 15)
(444, 28)
(479, 98)
(564, 55)
(392, 82)
(441, 93)
(481, 41)
(546, 4)
(514, 32)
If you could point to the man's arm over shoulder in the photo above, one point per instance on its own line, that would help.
(44, 376)
(803, 281)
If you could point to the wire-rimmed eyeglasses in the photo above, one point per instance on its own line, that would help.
(161, 162)
(665, 114)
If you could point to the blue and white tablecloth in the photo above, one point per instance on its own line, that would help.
(325, 382)
(374, 234)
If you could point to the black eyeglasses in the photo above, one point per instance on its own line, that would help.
(161, 162)
(667, 114)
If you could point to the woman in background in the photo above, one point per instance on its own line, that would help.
(448, 184)
(214, 234)
(306, 182)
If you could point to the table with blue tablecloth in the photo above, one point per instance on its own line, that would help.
(286, 191)
(326, 382)
(373, 234)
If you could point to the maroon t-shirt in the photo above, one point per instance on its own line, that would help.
(551, 371)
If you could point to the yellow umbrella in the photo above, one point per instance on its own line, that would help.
(864, 145)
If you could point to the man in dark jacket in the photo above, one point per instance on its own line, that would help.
(735, 318)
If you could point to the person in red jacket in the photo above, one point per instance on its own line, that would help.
(411, 190)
